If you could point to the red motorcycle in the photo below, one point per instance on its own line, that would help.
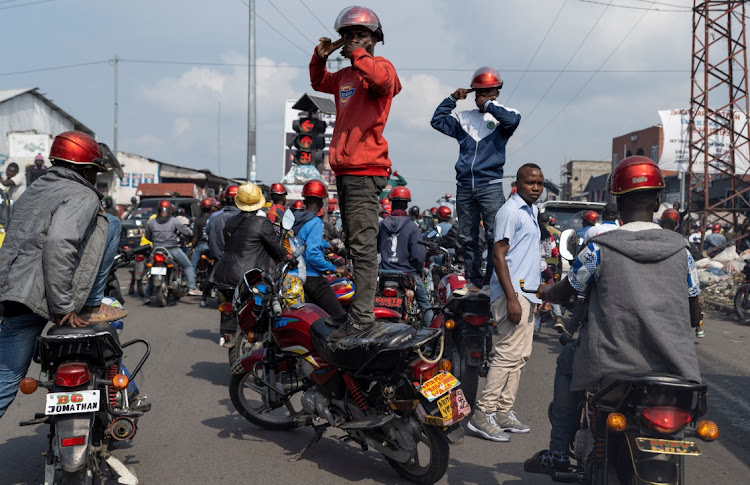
(385, 388)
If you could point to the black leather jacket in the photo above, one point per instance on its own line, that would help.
(250, 241)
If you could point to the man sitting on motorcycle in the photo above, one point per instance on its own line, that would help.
(58, 250)
(163, 231)
(309, 228)
(643, 290)
(199, 244)
(277, 209)
(399, 248)
(217, 220)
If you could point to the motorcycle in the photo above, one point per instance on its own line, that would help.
(92, 403)
(165, 276)
(396, 291)
(742, 297)
(467, 321)
(122, 259)
(377, 386)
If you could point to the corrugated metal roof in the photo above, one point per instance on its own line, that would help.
(12, 93)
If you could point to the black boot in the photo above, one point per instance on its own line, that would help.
(348, 329)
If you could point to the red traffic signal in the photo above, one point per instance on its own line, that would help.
(309, 125)
(309, 142)
(308, 158)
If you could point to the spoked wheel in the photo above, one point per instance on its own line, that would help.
(161, 294)
(430, 460)
(250, 397)
(742, 303)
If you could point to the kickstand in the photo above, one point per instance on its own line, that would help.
(319, 430)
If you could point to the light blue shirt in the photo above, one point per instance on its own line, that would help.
(516, 221)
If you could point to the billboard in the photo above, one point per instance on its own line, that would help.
(28, 145)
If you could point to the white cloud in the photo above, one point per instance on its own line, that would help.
(181, 125)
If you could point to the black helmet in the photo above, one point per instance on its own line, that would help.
(414, 211)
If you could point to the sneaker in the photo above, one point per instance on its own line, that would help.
(347, 330)
(468, 288)
(509, 422)
(102, 313)
(547, 462)
(195, 292)
(699, 332)
(203, 304)
(485, 291)
(485, 426)
(559, 324)
(227, 340)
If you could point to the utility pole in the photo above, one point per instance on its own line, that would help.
(218, 139)
(117, 102)
(251, 121)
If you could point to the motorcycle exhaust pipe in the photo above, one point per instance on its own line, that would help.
(122, 429)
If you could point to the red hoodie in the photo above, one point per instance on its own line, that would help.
(363, 100)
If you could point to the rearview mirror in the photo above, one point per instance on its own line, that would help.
(569, 244)
(288, 220)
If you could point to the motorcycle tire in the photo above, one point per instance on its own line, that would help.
(743, 311)
(246, 380)
(435, 442)
(80, 477)
(240, 346)
(161, 295)
(467, 374)
(141, 289)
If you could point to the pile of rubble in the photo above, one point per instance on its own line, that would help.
(721, 275)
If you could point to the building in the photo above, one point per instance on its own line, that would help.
(576, 175)
(647, 142)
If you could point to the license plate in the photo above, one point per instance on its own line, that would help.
(438, 385)
(388, 301)
(159, 271)
(72, 402)
(667, 447)
(453, 408)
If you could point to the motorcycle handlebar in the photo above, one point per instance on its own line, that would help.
(532, 292)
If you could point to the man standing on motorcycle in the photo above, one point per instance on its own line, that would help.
(399, 250)
(482, 135)
(309, 228)
(358, 152)
(217, 221)
(517, 257)
(163, 231)
(640, 303)
(57, 253)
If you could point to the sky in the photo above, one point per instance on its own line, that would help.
(579, 71)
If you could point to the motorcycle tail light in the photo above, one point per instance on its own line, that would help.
(422, 371)
(120, 382)
(74, 441)
(666, 419)
(476, 354)
(72, 374)
(476, 320)
(139, 257)
(390, 291)
(225, 307)
(450, 324)
(160, 258)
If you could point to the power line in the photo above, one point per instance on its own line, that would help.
(291, 23)
(601, 15)
(25, 4)
(587, 82)
(55, 68)
(276, 30)
(316, 18)
(633, 7)
(537, 51)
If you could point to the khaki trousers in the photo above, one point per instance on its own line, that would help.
(512, 351)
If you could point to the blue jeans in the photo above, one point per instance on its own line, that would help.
(556, 309)
(564, 413)
(473, 206)
(199, 250)
(17, 338)
(110, 251)
(423, 301)
(181, 258)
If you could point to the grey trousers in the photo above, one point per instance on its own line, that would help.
(358, 200)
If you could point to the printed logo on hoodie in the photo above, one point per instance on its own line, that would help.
(346, 91)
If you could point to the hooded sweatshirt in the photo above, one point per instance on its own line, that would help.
(309, 228)
(363, 95)
(639, 314)
(398, 245)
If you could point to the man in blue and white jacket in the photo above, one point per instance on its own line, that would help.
(482, 135)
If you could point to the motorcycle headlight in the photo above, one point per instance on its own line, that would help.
(135, 232)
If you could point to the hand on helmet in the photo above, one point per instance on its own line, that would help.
(326, 47)
(461, 93)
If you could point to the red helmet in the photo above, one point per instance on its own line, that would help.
(231, 192)
(590, 216)
(400, 193)
(206, 203)
(386, 209)
(298, 205)
(486, 77)
(315, 188)
(635, 173)
(278, 189)
(433, 210)
(359, 17)
(164, 203)
(716, 227)
(78, 148)
(444, 213)
(671, 214)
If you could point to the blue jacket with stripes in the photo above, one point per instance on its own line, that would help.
(481, 137)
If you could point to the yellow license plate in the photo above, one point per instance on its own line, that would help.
(438, 385)
(667, 447)
(453, 408)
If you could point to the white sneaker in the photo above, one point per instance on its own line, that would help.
(485, 290)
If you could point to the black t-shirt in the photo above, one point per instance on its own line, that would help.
(200, 227)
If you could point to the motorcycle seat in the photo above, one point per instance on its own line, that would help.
(64, 340)
(384, 338)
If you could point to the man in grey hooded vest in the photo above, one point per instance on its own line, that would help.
(643, 301)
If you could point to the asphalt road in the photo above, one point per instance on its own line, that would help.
(193, 435)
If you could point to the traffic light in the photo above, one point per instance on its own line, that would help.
(309, 141)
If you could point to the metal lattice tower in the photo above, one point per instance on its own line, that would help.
(719, 89)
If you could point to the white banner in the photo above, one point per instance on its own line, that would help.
(28, 145)
(675, 153)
